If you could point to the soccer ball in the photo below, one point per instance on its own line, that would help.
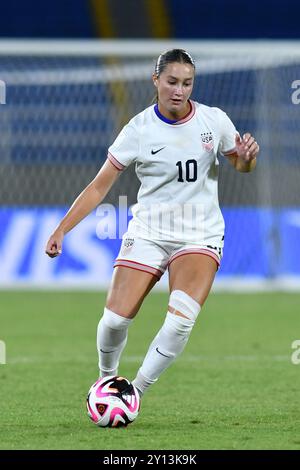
(113, 402)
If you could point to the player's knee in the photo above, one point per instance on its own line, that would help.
(184, 304)
(114, 320)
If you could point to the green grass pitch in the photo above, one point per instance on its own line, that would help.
(234, 387)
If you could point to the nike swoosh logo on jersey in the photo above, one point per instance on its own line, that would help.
(156, 151)
(106, 352)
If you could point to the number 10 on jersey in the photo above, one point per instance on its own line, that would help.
(189, 173)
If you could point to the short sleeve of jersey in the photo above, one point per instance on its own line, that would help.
(227, 134)
(125, 148)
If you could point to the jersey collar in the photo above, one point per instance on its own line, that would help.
(185, 118)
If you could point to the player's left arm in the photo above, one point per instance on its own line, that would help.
(243, 157)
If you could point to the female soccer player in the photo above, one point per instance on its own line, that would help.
(177, 223)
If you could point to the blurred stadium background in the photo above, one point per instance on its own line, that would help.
(72, 73)
(66, 100)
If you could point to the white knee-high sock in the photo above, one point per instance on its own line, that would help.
(111, 340)
(170, 340)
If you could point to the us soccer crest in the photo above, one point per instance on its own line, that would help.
(207, 141)
(127, 245)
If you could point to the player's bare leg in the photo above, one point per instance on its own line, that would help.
(125, 296)
(193, 274)
(128, 290)
(190, 280)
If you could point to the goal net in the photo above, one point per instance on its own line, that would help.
(65, 102)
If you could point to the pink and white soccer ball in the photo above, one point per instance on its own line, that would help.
(113, 402)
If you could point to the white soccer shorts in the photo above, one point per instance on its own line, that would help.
(155, 257)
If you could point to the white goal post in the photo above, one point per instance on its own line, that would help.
(147, 48)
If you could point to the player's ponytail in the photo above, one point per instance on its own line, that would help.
(169, 57)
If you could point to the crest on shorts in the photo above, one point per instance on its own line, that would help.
(207, 141)
(127, 245)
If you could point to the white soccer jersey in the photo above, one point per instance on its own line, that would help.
(177, 165)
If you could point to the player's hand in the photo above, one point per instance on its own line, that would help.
(54, 244)
(246, 148)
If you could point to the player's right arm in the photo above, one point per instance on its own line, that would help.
(90, 198)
